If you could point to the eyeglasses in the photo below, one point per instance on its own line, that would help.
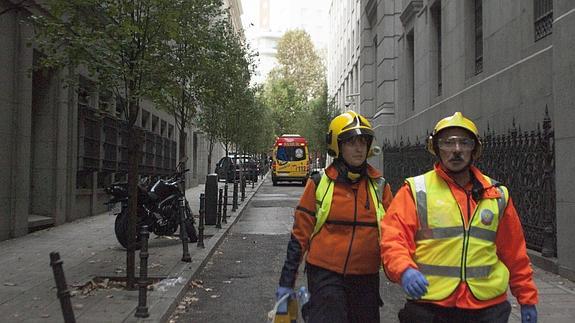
(454, 142)
(362, 140)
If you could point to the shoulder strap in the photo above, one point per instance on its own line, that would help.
(322, 206)
(380, 186)
(316, 178)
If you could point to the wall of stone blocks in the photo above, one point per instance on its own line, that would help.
(521, 80)
(564, 103)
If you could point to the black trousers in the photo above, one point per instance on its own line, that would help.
(431, 313)
(336, 298)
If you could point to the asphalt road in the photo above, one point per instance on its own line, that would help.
(239, 281)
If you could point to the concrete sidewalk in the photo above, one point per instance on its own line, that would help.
(89, 250)
(556, 299)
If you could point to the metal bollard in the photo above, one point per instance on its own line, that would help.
(142, 309)
(235, 197)
(62, 287)
(547, 249)
(243, 188)
(225, 213)
(219, 214)
(183, 234)
(202, 218)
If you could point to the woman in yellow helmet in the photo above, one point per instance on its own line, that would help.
(337, 225)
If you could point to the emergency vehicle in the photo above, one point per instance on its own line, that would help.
(290, 159)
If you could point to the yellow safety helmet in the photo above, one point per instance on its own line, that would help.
(456, 120)
(345, 126)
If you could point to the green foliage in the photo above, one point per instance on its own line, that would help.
(300, 64)
(316, 122)
(296, 91)
(118, 42)
(183, 54)
(287, 103)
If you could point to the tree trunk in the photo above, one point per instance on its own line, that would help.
(210, 149)
(133, 163)
(182, 143)
(182, 150)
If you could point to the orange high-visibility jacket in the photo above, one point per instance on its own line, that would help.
(339, 246)
(400, 225)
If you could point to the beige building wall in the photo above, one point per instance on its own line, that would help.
(343, 54)
(419, 64)
(563, 83)
(39, 153)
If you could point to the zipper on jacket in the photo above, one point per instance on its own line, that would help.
(463, 256)
(466, 234)
(352, 230)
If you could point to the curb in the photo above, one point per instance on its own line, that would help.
(167, 303)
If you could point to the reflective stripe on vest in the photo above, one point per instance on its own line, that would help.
(447, 252)
(324, 196)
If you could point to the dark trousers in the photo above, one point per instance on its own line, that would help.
(336, 298)
(431, 313)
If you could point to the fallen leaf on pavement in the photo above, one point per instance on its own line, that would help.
(215, 296)
(78, 306)
(45, 316)
(10, 284)
(197, 283)
(208, 289)
(227, 282)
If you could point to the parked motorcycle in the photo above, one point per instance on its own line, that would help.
(158, 207)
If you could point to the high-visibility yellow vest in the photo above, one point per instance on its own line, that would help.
(324, 196)
(446, 251)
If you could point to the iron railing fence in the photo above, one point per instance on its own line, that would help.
(524, 161)
(103, 148)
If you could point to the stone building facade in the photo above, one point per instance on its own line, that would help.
(499, 62)
(61, 146)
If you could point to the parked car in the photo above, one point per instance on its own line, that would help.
(226, 165)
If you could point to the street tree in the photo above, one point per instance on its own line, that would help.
(300, 63)
(120, 44)
(230, 63)
(295, 89)
(315, 125)
(285, 100)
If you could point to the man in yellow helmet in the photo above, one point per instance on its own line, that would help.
(337, 225)
(453, 240)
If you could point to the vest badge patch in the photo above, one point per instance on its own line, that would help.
(487, 217)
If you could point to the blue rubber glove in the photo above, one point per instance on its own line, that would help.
(528, 314)
(414, 283)
(280, 292)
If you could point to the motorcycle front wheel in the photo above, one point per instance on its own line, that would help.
(121, 230)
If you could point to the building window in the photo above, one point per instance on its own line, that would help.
(543, 15)
(410, 70)
(358, 33)
(478, 36)
(436, 18)
(145, 119)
